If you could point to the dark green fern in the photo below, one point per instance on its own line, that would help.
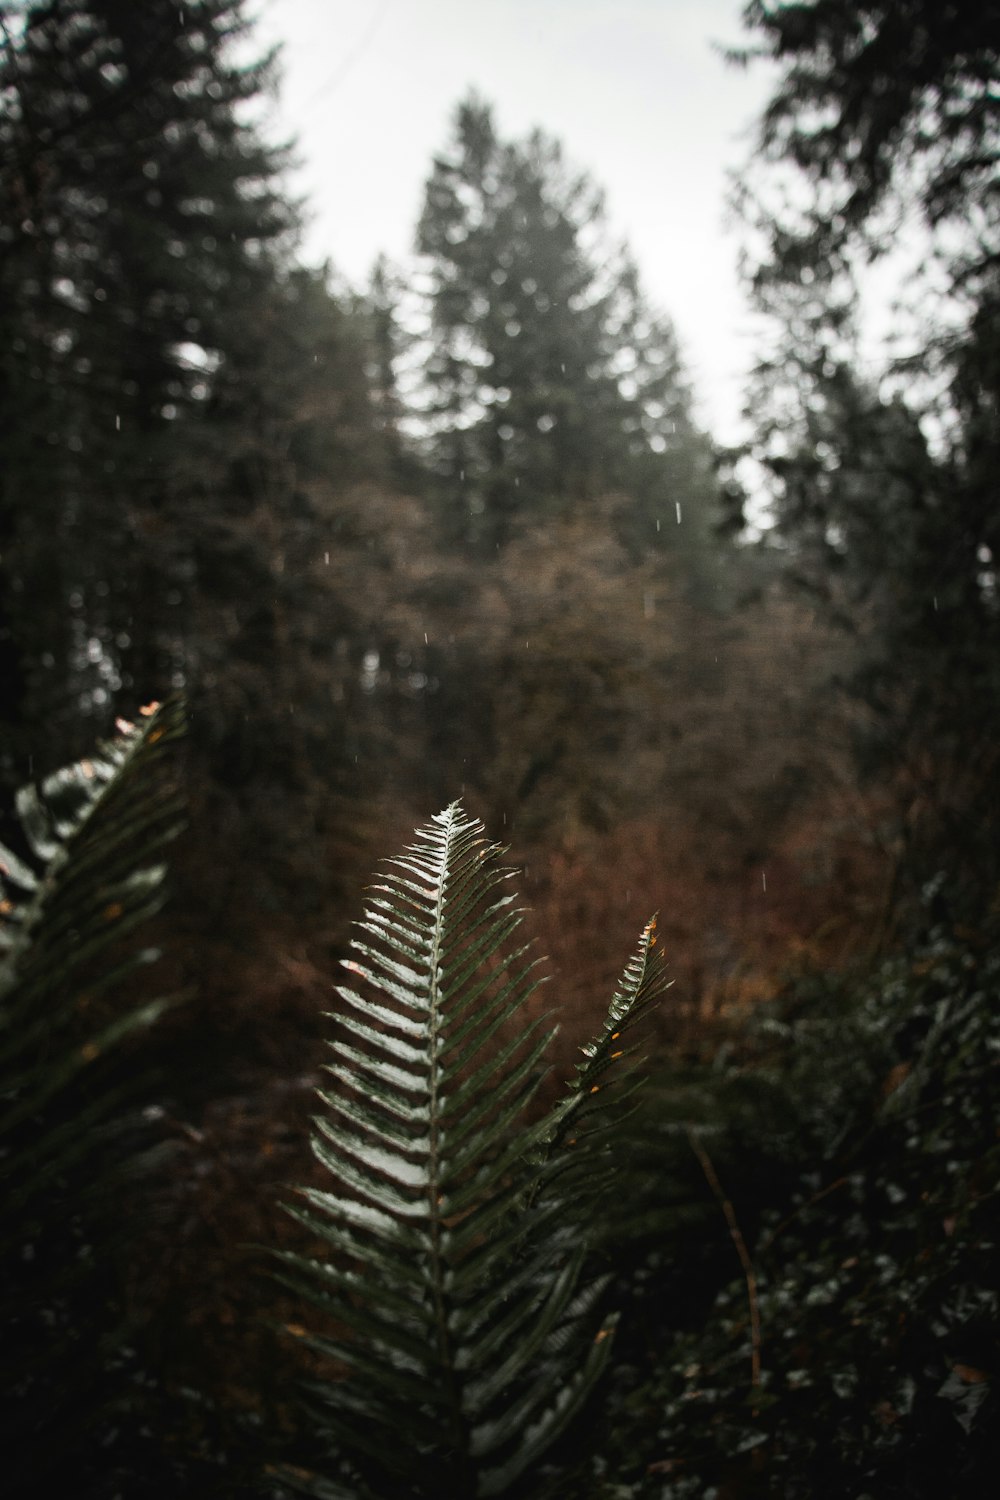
(459, 1323)
(88, 875)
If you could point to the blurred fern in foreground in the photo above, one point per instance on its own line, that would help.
(88, 875)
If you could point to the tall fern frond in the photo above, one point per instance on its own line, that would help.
(89, 873)
(463, 1328)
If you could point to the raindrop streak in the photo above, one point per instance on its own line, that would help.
(677, 507)
(657, 523)
(118, 422)
(935, 603)
(763, 879)
(326, 558)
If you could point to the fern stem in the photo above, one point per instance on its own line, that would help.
(458, 1434)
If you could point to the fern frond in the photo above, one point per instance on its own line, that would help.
(452, 1282)
(88, 876)
(582, 1147)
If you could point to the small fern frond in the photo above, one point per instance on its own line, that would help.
(450, 1282)
(582, 1148)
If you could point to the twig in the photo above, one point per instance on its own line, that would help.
(712, 1177)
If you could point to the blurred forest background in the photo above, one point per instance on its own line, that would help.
(457, 533)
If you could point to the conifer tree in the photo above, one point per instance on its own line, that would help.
(180, 406)
(884, 117)
(142, 220)
(550, 380)
(386, 344)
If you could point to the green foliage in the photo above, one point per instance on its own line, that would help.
(89, 876)
(463, 1326)
(854, 1131)
(798, 1236)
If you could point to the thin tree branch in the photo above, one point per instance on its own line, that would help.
(712, 1177)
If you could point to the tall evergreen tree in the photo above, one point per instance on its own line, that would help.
(886, 107)
(141, 220)
(886, 114)
(550, 381)
(179, 405)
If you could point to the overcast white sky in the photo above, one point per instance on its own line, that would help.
(632, 88)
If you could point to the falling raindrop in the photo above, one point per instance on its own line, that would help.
(763, 878)
(657, 523)
(677, 507)
(118, 422)
(326, 558)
